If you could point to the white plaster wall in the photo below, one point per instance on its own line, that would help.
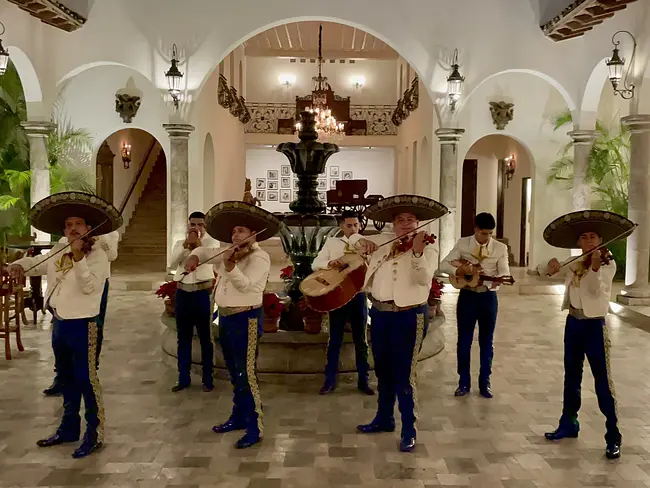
(264, 86)
(375, 165)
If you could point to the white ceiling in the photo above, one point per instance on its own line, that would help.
(300, 40)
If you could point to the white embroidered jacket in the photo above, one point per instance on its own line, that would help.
(334, 248)
(245, 284)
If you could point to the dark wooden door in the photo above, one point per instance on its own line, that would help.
(523, 226)
(468, 200)
(104, 173)
(501, 197)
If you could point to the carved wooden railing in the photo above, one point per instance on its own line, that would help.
(408, 103)
(264, 118)
(228, 98)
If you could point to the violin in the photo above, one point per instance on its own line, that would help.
(88, 243)
(406, 242)
(240, 253)
(606, 257)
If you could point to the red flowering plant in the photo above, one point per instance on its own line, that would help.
(167, 289)
(272, 306)
(437, 287)
(286, 274)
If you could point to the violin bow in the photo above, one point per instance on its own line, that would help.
(185, 273)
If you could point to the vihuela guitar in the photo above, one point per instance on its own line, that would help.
(476, 278)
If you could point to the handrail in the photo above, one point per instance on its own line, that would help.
(137, 177)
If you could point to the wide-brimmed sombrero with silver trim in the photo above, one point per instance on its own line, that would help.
(422, 207)
(49, 215)
(220, 220)
(565, 231)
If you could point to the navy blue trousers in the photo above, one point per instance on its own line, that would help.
(356, 312)
(193, 310)
(588, 338)
(75, 350)
(239, 335)
(471, 308)
(396, 341)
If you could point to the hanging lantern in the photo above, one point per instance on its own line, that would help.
(174, 77)
(454, 83)
(4, 54)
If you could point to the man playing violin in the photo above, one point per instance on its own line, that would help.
(398, 281)
(193, 306)
(355, 311)
(76, 281)
(243, 271)
(479, 253)
(588, 287)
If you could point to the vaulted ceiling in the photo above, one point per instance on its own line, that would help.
(300, 40)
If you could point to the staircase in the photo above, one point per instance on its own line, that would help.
(143, 248)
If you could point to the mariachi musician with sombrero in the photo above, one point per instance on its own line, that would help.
(242, 274)
(398, 282)
(76, 276)
(588, 289)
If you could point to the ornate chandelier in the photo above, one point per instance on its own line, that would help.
(326, 124)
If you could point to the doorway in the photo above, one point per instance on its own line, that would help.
(524, 232)
(468, 202)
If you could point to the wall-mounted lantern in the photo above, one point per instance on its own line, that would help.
(615, 64)
(126, 154)
(4, 54)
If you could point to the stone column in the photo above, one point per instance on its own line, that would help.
(37, 133)
(637, 291)
(448, 139)
(583, 140)
(179, 135)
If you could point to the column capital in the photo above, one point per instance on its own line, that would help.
(583, 137)
(179, 131)
(37, 128)
(447, 135)
(637, 123)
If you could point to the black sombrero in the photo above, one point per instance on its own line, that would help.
(220, 220)
(49, 214)
(565, 231)
(422, 207)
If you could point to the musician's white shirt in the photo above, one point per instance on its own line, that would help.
(245, 284)
(74, 289)
(209, 247)
(494, 264)
(108, 242)
(405, 280)
(334, 248)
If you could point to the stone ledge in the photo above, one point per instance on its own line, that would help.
(633, 301)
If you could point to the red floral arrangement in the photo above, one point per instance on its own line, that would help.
(436, 289)
(286, 273)
(272, 306)
(167, 289)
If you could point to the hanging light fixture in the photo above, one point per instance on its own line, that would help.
(454, 83)
(174, 77)
(4, 54)
(615, 65)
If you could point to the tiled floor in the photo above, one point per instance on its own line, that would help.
(156, 438)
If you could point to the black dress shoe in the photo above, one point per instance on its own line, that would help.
(407, 443)
(207, 388)
(179, 387)
(86, 449)
(375, 427)
(55, 389)
(613, 450)
(561, 433)
(461, 391)
(365, 388)
(486, 392)
(327, 388)
(247, 441)
(55, 440)
(228, 426)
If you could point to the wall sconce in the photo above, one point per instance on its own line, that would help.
(509, 168)
(454, 83)
(287, 80)
(126, 154)
(174, 77)
(615, 65)
(4, 54)
(358, 82)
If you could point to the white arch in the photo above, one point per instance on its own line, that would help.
(592, 95)
(27, 74)
(85, 67)
(552, 81)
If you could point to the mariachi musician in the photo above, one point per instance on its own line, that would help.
(398, 281)
(76, 281)
(587, 295)
(355, 311)
(242, 274)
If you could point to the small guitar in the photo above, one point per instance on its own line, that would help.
(474, 279)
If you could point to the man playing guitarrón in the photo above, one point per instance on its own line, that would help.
(355, 311)
(588, 288)
(399, 281)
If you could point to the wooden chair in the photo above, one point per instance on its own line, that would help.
(12, 306)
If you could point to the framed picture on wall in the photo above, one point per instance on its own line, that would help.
(273, 185)
(322, 184)
(285, 196)
(272, 196)
(334, 171)
(347, 175)
(333, 184)
(295, 195)
(322, 196)
(260, 183)
(295, 184)
(272, 174)
(285, 182)
(285, 170)
(261, 195)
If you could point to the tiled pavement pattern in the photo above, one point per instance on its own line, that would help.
(156, 438)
